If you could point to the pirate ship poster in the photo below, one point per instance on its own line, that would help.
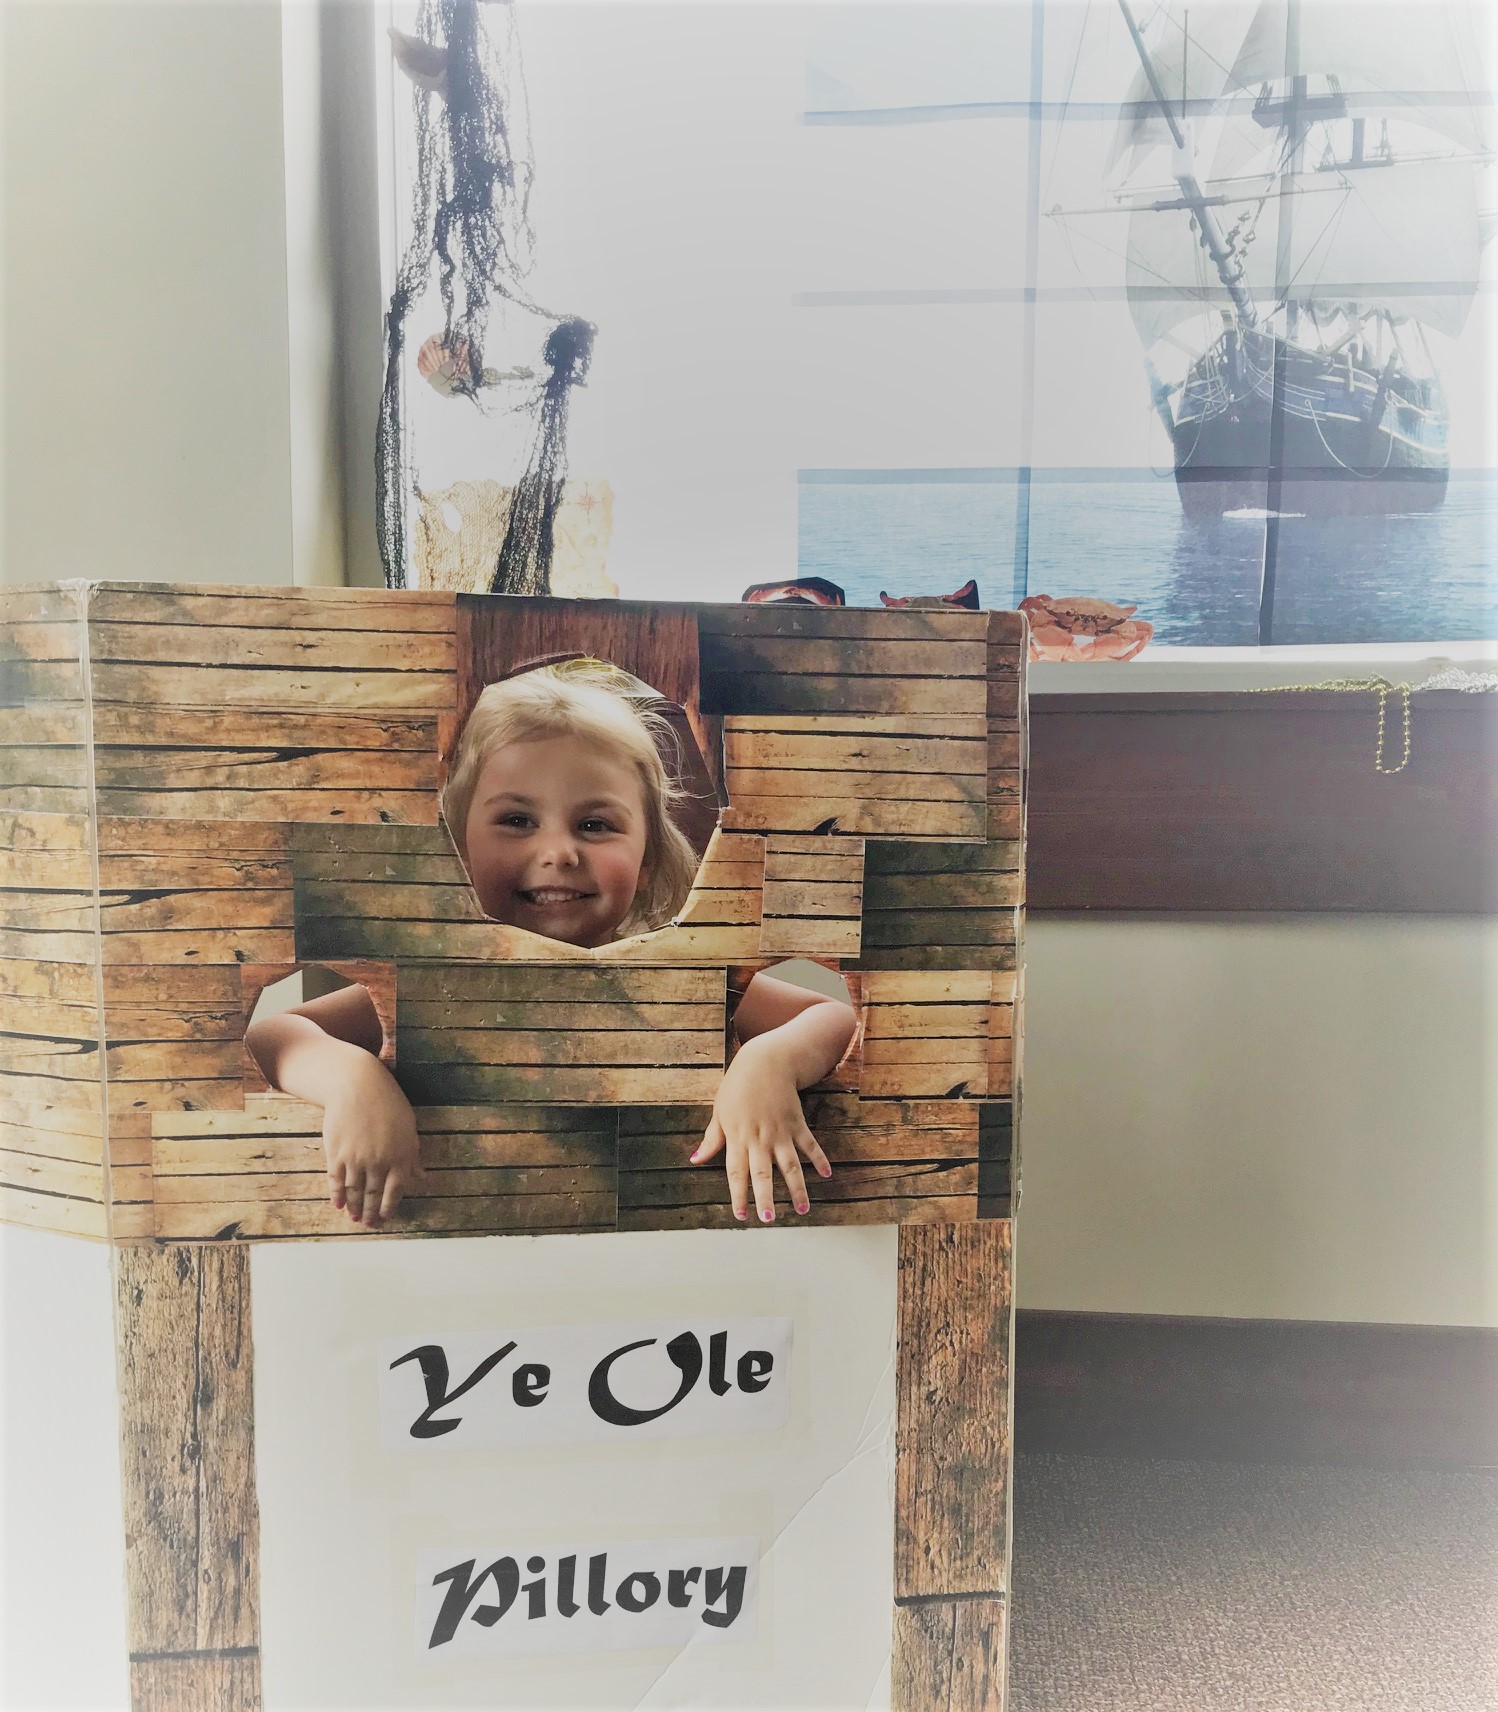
(1255, 377)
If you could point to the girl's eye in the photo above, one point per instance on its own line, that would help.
(594, 824)
(515, 819)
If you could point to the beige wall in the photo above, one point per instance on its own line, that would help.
(311, 306)
(335, 295)
(60, 1489)
(1286, 1118)
(147, 430)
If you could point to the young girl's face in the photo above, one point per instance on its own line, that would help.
(556, 839)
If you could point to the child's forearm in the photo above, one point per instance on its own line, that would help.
(298, 1057)
(368, 1129)
(811, 1044)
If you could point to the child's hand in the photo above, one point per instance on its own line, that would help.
(757, 1117)
(369, 1133)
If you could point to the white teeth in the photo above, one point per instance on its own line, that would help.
(539, 896)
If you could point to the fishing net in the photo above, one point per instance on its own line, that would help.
(470, 222)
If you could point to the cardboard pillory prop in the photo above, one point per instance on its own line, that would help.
(205, 789)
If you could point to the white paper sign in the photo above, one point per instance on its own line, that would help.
(584, 1598)
(520, 1385)
(726, 1547)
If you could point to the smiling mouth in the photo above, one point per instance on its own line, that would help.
(543, 896)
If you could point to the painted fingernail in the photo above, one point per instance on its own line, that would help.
(824, 1170)
(768, 1215)
(803, 1206)
(739, 1213)
(695, 1157)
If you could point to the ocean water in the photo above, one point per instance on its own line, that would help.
(1120, 535)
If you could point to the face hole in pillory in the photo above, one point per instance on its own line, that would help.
(579, 801)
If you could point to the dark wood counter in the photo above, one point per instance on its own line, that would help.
(1244, 801)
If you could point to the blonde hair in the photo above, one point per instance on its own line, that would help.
(609, 707)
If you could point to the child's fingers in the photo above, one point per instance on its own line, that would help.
(738, 1181)
(790, 1170)
(811, 1149)
(374, 1190)
(353, 1191)
(711, 1143)
(391, 1199)
(762, 1173)
(335, 1186)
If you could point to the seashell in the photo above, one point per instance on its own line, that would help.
(423, 62)
(444, 368)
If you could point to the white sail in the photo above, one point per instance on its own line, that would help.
(1404, 239)
(1425, 61)
(1170, 277)
(1243, 147)
(1193, 49)
(1420, 60)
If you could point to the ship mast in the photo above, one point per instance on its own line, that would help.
(1183, 170)
(1298, 129)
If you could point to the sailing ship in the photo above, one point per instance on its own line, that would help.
(1325, 218)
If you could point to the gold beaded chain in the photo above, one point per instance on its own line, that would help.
(1378, 753)
(1384, 690)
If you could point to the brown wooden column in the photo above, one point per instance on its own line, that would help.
(949, 1656)
(192, 1529)
(952, 1458)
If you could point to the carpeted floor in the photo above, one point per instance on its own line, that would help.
(1224, 1587)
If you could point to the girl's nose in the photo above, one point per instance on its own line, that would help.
(560, 850)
